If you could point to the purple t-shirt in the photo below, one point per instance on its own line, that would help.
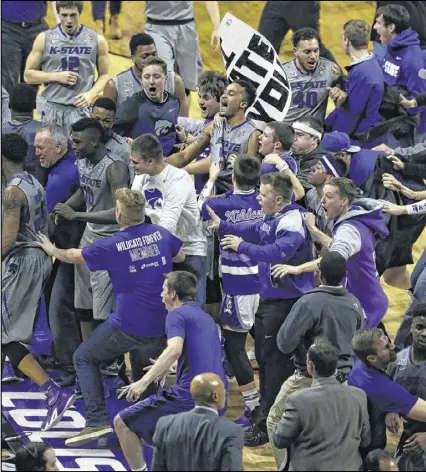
(16, 12)
(201, 349)
(381, 390)
(137, 259)
(383, 395)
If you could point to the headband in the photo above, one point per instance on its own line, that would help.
(298, 126)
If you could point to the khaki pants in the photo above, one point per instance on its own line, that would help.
(292, 384)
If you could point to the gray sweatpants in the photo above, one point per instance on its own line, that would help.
(93, 290)
(24, 275)
(16, 45)
(178, 46)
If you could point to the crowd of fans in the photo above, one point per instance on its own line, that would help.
(283, 233)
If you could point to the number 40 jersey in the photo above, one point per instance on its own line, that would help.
(76, 53)
(309, 94)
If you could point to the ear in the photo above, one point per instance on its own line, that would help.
(215, 397)
(371, 358)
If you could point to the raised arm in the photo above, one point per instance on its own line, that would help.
(182, 159)
(253, 144)
(181, 95)
(214, 14)
(55, 12)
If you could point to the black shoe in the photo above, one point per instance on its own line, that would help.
(66, 380)
(47, 361)
(254, 437)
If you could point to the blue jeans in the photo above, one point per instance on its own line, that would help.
(418, 284)
(199, 264)
(99, 7)
(104, 345)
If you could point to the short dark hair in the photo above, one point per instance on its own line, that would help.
(346, 187)
(417, 310)
(31, 456)
(23, 98)
(106, 103)
(212, 82)
(155, 61)
(395, 14)
(324, 357)
(364, 343)
(333, 268)
(373, 459)
(283, 133)
(14, 147)
(69, 5)
(140, 39)
(249, 91)
(305, 34)
(280, 184)
(88, 123)
(312, 122)
(358, 33)
(183, 283)
(246, 171)
(148, 147)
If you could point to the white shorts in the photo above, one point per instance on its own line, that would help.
(237, 311)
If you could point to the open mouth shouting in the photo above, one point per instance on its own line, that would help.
(223, 105)
(152, 90)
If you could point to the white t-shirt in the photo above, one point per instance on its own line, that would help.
(171, 202)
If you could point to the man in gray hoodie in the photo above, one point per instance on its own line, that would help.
(329, 311)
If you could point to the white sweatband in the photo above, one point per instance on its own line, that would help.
(282, 166)
(416, 208)
(297, 126)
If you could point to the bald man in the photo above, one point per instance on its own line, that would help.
(199, 439)
(193, 341)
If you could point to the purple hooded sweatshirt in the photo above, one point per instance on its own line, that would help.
(354, 237)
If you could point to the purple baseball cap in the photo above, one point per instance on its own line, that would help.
(337, 142)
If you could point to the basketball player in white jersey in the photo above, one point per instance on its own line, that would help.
(64, 58)
(312, 78)
(126, 83)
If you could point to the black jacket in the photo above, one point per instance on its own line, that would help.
(305, 162)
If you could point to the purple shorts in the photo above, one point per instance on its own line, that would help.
(142, 417)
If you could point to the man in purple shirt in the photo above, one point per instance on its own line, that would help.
(375, 352)
(136, 257)
(193, 341)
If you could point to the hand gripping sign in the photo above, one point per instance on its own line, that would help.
(250, 56)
